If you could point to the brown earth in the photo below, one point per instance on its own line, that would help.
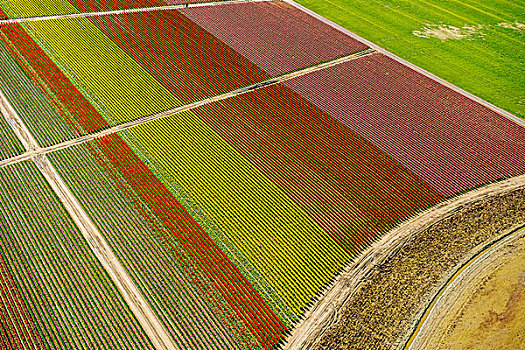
(485, 308)
(380, 298)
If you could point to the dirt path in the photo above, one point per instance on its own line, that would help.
(156, 332)
(328, 309)
(468, 289)
(119, 12)
(282, 78)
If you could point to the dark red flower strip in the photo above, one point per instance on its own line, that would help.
(447, 139)
(349, 186)
(17, 327)
(275, 35)
(186, 59)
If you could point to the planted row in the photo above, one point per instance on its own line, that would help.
(70, 298)
(274, 35)
(351, 188)
(159, 275)
(30, 96)
(450, 141)
(10, 145)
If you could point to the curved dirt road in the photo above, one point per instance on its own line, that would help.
(327, 310)
(460, 284)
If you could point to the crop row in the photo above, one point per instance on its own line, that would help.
(17, 329)
(69, 296)
(106, 5)
(154, 269)
(30, 102)
(293, 253)
(185, 235)
(351, 188)
(276, 36)
(190, 62)
(23, 8)
(10, 145)
(448, 140)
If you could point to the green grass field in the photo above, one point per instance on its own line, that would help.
(486, 59)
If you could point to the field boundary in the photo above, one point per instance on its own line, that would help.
(327, 310)
(418, 69)
(164, 114)
(124, 11)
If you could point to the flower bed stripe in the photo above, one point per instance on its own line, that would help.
(295, 255)
(276, 36)
(17, 328)
(187, 60)
(71, 298)
(351, 188)
(448, 140)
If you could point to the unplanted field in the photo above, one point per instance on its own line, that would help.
(486, 308)
(382, 312)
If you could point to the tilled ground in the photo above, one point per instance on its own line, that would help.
(381, 313)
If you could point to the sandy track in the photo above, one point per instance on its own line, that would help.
(327, 310)
(461, 286)
(119, 12)
(156, 332)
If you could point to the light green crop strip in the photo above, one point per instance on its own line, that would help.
(34, 8)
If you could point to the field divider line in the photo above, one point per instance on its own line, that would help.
(35, 152)
(418, 69)
(155, 331)
(125, 11)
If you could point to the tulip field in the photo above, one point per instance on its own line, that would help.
(50, 277)
(10, 145)
(233, 157)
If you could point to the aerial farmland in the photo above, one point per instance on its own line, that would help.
(248, 174)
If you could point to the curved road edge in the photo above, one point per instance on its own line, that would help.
(479, 260)
(326, 311)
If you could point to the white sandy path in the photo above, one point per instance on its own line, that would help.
(119, 12)
(156, 332)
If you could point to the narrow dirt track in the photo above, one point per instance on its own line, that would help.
(158, 335)
(328, 309)
(119, 12)
(460, 284)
